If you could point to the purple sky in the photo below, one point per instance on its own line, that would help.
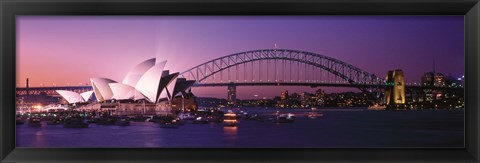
(66, 50)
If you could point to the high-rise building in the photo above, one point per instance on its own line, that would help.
(433, 79)
(428, 79)
(395, 93)
(232, 94)
(439, 80)
(284, 95)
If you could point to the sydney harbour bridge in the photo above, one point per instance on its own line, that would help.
(275, 67)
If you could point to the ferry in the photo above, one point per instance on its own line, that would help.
(286, 118)
(230, 119)
(377, 107)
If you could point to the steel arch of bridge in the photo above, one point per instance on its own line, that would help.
(348, 72)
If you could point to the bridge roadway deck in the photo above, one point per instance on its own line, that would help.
(318, 85)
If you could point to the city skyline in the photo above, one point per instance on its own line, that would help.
(78, 48)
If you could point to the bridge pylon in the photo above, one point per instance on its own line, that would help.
(395, 92)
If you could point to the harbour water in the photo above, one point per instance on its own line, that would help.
(338, 127)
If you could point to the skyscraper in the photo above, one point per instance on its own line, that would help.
(232, 94)
(433, 79)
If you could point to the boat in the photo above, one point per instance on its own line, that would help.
(34, 122)
(285, 118)
(377, 107)
(91, 120)
(106, 121)
(161, 119)
(200, 120)
(313, 109)
(168, 125)
(55, 121)
(19, 121)
(213, 119)
(122, 122)
(290, 117)
(139, 119)
(171, 124)
(186, 116)
(74, 123)
(230, 119)
(179, 121)
(164, 119)
(154, 119)
(255, 117)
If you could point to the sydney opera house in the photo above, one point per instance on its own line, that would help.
(146, 89)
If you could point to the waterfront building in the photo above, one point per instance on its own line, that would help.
(185, 103)
(231, 95)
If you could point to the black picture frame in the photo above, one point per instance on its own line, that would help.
(11, 8)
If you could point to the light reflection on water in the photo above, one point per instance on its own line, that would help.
(423, 128)
(230, 132)
(40, 137)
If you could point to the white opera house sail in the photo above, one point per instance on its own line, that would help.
(147, 82)
(74, 97)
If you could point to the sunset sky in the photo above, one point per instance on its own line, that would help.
(69, 50)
